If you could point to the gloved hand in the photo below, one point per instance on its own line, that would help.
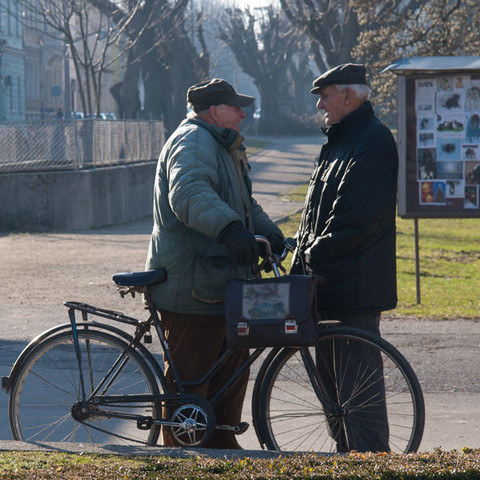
(240, 244)
(277, 243)
(311, 261)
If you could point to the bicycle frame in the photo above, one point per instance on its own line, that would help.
(141, 328)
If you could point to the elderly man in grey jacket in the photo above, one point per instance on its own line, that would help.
(205, 219)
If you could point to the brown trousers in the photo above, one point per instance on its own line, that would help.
(196, 342)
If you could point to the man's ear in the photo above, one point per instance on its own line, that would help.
(349, 95)
(351, 98)
(212, 112)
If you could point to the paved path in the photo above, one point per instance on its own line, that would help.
(276, 170)
(40, 271)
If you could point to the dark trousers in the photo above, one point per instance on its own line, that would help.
(344, 367)
(196, 342)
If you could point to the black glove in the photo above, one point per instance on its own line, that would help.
(277, 243)
(240, 244)
(311, 261)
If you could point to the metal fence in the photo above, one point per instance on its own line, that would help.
(79, 144)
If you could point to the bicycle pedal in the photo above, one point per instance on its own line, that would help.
(144, 423)
(236, 429)
(242, 428)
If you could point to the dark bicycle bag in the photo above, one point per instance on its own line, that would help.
(271, 312)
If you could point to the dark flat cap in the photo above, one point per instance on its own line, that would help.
(347, 74)
(216, 92)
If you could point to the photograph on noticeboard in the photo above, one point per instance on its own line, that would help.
(447, 111)
(471, 196)
(432, 193)
(455, 189)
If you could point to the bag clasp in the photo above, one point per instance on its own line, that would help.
(290, 325)
(243, 329)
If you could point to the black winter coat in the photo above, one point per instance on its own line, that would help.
(347, 232)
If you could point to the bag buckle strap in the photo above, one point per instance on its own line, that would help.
(291, 325)
(243, 329)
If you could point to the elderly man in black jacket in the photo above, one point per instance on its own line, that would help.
(347, 233)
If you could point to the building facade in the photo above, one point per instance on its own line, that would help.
(31, 67)
(44, 72)
(12, 63)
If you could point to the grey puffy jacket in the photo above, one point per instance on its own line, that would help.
(199, 190)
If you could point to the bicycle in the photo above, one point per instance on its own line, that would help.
(91, 381)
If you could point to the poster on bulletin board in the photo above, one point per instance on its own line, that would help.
(439, 135)
(448, 139)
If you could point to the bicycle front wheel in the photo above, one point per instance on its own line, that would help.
(44, 403)
(352, 391)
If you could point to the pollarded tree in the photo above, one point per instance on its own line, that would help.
(331, 26)
(264, 48)
(165, 58)
(334, 26)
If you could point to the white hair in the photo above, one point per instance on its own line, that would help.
(362, 92)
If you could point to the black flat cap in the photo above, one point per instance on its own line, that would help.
(216, 92)
(347, 74)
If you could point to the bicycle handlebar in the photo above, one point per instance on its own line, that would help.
(270, 257)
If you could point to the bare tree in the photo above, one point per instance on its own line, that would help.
(165, 58)
(331, 26)
(301, 77)
(264, 48)
(91, 40)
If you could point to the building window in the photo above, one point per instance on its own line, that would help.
(18, 25)
(19, 95)
(10, 93)
(3, 16)
(9, 18)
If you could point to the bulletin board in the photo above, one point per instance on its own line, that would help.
(439, 137)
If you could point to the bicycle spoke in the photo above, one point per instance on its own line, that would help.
(44, 401)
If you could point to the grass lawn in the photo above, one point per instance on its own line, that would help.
(254, 144)
(449, 268)
(437, 465)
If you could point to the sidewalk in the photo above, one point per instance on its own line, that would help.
(286, 163)
(43, 270)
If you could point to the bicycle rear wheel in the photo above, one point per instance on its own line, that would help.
(341, 409)
(44, 396)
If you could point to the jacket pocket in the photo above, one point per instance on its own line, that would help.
(337, 290)
(210, 275)
(376, 274)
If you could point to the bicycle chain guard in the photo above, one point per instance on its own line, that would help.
(192, 422)
(192, 428)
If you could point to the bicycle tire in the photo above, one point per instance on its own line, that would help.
(291, 417)
(47, 386)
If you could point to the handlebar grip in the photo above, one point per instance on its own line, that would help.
(290, 244)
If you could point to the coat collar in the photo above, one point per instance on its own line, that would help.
(228, 138)
(364, 110)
